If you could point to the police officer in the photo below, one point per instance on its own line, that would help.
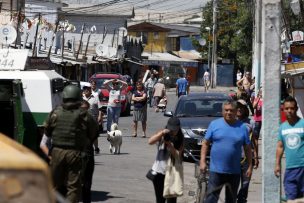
(72, 129)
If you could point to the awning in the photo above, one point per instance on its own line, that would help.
(131, 61)
(165, 59)
(192, 55)
(292, 73)
(60, 60)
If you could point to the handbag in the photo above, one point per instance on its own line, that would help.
(151, 175)
(174, 178)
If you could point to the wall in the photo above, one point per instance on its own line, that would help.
(186, 43)
(154, 44)
(225, 75)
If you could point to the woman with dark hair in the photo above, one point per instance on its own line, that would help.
(139, 98)
(170, 145)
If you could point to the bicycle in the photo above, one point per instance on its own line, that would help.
(202, 178)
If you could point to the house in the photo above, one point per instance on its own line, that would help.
(159, 41)
(82, 27)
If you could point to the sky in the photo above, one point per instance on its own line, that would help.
(167, 10)
(154, 10)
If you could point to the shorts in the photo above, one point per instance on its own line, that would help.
(257, 129)
(294, 183)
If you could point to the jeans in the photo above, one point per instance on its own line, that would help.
(216, 183)
(113, 114)
(181, 93)
(245, 181)
(158, 184)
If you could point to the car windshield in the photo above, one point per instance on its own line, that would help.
(199, 107)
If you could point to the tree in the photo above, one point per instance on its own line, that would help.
(235, 31)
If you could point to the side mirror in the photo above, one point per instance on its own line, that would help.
(168, 114)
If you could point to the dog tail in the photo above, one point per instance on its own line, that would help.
(114, 126)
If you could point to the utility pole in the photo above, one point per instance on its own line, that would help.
(214, 47)
(36, 35)
(271, 66)
(257, 44)
(53, 38)
(80, 43)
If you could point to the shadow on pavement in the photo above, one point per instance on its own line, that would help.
(98, 196)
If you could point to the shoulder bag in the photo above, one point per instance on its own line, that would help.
(174, 178)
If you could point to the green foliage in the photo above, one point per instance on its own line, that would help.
(234, 33)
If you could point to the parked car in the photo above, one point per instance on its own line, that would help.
(195, 112)
(126, 94)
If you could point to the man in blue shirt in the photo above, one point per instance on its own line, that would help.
(228, 136)
(182, 85)
(291, 140)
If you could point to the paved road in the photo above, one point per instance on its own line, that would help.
(121, 178)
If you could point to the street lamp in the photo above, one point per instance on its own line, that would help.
(209, 29)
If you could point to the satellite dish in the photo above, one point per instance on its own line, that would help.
(120, 51)
(102, 50)
(8, 34)
(202, 42)
(123, 31)
(112, 52)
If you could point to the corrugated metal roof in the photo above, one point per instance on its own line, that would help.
(192, 55)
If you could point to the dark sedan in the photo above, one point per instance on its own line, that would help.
(195, 112)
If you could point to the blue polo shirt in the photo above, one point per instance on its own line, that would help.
(293, 141)
(227, 142)
(182, 84)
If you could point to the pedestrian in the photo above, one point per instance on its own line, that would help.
(94, 89)
(149, 85)
(243, 116)
(228, 136)
(71, 129)
(139, 98)
(96, 92)
(238, 75)
(115, 86)
(182, 85)
(89, 166)
(159, 92)
(291, 141)
(245, 84)
(170, 143)
(94, 109)
(206, 78)
(257, 117)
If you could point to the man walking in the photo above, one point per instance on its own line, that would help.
(72, 129)
(228, 136)
(206, 80)
(182, 85)
(291, 140)
(94, 109)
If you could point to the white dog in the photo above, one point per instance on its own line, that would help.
(115, 139)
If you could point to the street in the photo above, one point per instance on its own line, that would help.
(121, 178)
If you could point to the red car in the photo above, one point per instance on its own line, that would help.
(126, 94)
